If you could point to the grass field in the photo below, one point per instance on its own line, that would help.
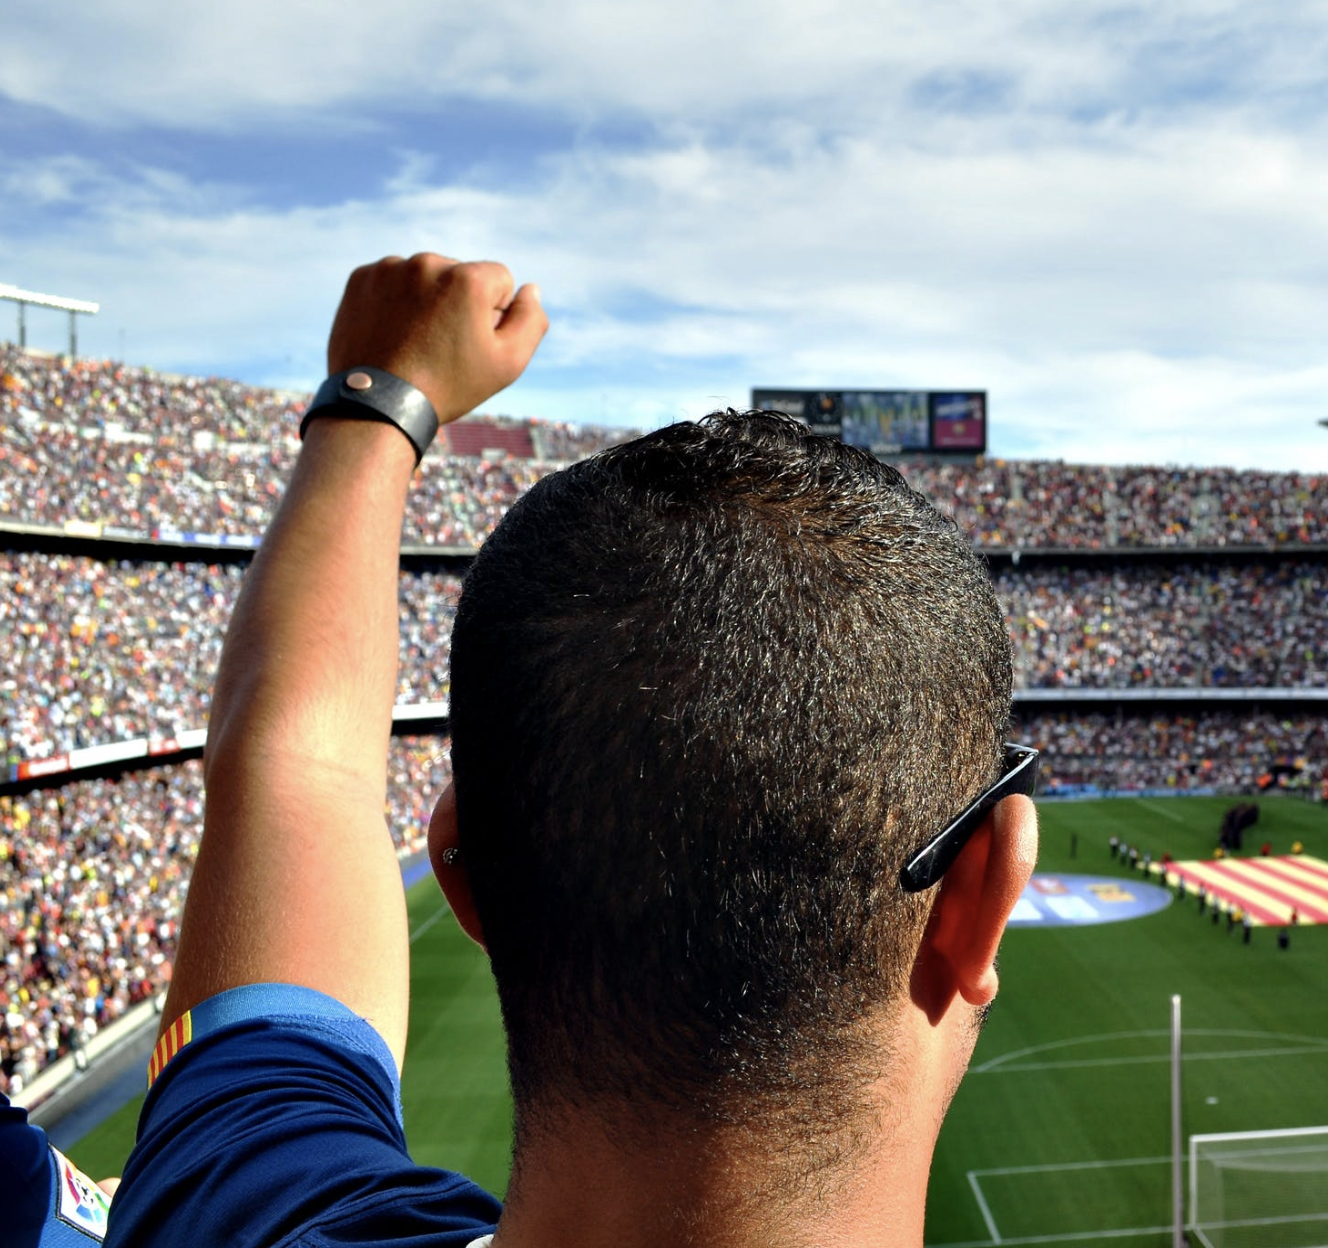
(1060, 1135)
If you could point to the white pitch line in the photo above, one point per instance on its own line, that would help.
(1144, 1059)
(1154, 1033)
(429, 922)
(1072, 1237)
(995, 1062)
(1280, 1220)
(983, 1207)
(1072, 1165)
(1159, 809)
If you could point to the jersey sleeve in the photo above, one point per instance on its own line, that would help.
(273, 1120)
(47, 1202)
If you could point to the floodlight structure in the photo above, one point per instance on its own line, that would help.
(30, 298)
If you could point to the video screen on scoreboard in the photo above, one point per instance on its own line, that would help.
(886, 422)
(889, 422)
(959, 421)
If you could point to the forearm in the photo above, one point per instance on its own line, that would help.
(309, 665)
(296, 757)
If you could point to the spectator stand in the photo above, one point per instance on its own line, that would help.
(1169, 628)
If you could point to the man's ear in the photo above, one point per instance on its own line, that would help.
(958, 952)
(450, 868)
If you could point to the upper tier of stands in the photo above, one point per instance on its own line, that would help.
(139, 452)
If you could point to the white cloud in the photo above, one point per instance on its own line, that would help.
(1136, 280)
(852, 63)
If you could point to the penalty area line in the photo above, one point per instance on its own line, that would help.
(983, 1207)
(1073, 1237)
(1073, 1165)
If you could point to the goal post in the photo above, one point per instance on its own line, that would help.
(1259, 1189)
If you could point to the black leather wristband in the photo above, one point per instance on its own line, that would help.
(375, 394)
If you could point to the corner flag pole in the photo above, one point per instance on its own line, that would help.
(1177, 1140)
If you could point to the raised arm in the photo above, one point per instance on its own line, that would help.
(296, 880)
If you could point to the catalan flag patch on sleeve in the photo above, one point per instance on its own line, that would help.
(264, 1005)
(170, 1042)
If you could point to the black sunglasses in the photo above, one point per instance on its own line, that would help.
(937, 856)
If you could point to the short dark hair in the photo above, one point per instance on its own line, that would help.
(710, 689)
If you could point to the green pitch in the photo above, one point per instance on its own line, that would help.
(1060, 1135)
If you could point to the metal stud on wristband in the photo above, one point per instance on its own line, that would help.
(375, 394)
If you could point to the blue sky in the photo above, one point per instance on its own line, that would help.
(1110, 216)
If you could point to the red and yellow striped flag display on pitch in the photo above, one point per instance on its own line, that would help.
(170, 1042)
(1270, 890)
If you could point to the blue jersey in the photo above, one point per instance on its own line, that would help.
(46, 1202)
(274, 1120)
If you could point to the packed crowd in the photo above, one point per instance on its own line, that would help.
(103, 443)
(106, 444)
(92, 881)
(1035, 504)
(92, 878)
(1138, 624)
(95, 652)
(120, 399)
(92, 874)
(1229, 751)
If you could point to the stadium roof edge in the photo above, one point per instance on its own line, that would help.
(1174, 693)
(207, 544)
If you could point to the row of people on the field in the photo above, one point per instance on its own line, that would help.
(1221, 908)
(1210, 901)
(92, 881)
(101, 442)
(97, 652)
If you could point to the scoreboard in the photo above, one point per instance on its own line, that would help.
(890, 422)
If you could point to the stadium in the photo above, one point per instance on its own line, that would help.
(1170, 628)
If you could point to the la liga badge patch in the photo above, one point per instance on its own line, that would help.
(80, 1203)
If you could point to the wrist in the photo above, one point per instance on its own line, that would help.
(353, 449)
(365, 393)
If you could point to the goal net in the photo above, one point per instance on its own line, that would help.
(1260, 1189)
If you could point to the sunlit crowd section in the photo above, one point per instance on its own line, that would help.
(1015, 504)
(143, 453)
(122, 400)
(1202, 625)
(106, 444)
(92, 881)
(95, 652)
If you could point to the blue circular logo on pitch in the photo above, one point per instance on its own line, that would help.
(1077, 900)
